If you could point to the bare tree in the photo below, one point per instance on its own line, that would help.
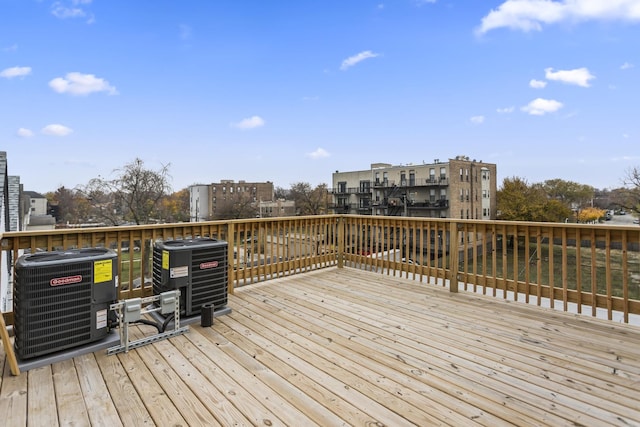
(630, 195)
(133, 195)
(310, 201)
(240, 205)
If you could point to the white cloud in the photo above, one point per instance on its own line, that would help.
(477, 120)
(72, 9)
(11, 48)
(61, 11)
(353, 60)
(421, 2)
(249, 123)
(578, 76)
(56, 130)
(506, 110)
(537, 84)
(626, 66)
(320, 153)
(81, 84)
(528, 15)
(24, 133)
(540, 106)
(12, 72)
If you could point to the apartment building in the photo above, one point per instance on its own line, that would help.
(205, 201)
(458, 188)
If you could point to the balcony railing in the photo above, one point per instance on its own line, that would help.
(590, 269)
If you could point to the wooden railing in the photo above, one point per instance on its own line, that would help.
(586, 268)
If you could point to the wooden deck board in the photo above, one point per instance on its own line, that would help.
(349, 347)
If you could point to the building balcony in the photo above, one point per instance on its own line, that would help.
(352, 323)
(435, 204)
(385, 183)
(436, 181)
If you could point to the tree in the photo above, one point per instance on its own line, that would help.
(174, 207)
(590, 214)
(281, 193)
(517, 200)
(133, 195)
(72, 206)
(310, 201)
(629, 197)
(569, 192)
(236, 206)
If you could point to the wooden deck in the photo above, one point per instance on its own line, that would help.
(348, 347)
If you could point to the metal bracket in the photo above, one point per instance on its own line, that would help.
(131, 310)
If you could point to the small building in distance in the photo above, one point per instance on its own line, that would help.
(459, 188)
(211, 201)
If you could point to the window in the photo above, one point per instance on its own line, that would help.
(461, 175)
(443, 173)
(412, 178)
(342, 187)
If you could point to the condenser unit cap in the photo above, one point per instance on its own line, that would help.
(55, 257)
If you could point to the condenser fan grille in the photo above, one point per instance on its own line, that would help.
(56, 301)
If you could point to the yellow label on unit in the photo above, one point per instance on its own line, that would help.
(165, 260)
(102, 271)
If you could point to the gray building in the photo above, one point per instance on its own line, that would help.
(458, 188)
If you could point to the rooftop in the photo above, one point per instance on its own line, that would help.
(350, 347)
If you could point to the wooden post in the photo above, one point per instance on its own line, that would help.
(341, 244)
(231, 275)
(8, 348)
(453, 257)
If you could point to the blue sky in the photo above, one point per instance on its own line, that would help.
(292, 91)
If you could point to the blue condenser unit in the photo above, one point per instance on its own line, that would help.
(62, 298)
(197, 267)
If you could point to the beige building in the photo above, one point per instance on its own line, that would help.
(206, 200)
(276, 208)
(458, 188)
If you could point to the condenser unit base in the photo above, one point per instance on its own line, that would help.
(189, 320)
(112, 338)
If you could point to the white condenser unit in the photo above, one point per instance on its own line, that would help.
(62, 299)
